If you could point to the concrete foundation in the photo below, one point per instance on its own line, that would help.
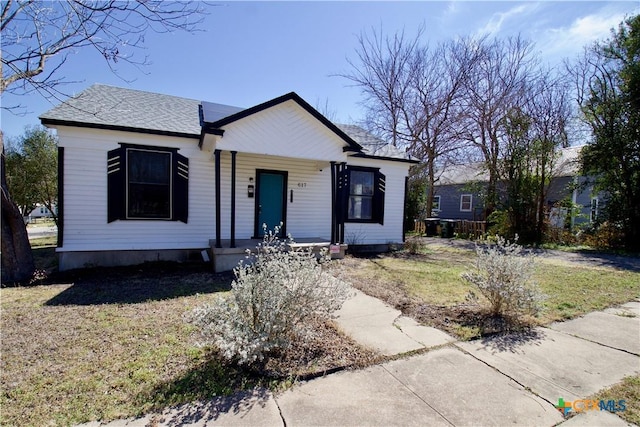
(87, 259)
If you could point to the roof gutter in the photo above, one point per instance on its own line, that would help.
(55, 122)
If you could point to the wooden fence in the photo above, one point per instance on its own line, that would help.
(462, 228)
(471, 229)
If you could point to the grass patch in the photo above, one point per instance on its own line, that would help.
(575, 290)
(427, 286)
(43, 242)
(103, 344)
(629, 391)
(41, 222)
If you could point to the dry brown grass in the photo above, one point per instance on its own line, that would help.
(427, 286)
(111, 343)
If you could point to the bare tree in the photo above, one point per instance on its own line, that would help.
(37, 39)
(412, 93)
(383, 72)
(39, 36)
(550, 109)
(533, 132)
(433, 117)
(494, 87)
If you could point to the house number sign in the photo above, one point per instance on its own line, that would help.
(302, 184)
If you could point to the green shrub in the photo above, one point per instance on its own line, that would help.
(606, 235)
(499, 223)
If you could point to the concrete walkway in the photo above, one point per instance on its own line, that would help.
(379, 326)
(514, 379)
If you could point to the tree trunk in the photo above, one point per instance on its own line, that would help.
(431, 182)
(17, 259)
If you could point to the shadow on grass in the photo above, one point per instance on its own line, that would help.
(470, 321)
(136, 284)
(206, 392)
(45, 257)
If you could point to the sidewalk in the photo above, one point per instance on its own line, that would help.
(513, 380)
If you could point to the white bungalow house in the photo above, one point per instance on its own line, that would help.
(145, 176)
(41, 211)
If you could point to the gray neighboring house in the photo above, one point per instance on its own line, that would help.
(146, 176)
(459, 191)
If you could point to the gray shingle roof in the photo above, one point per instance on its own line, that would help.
(114, 107)
(119, 107)
(566, 164)
(371, 144)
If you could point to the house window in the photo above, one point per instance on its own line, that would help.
(147, 183)
(364, 189)
(594, 209)
(435, 207)
(361, 195)
(466, 202)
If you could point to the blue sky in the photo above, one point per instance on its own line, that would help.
(251, 52)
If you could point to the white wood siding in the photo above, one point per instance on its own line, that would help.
(309, 215)
(285, 130)
(391, 231)
(85, 196)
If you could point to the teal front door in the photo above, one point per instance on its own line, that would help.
(271, 201)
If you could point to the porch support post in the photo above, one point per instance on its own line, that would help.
(216, 154)
(343, 208)
(233, 199)
(404, 209)
(333, 202)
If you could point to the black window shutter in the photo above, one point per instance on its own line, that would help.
(180, 188)
(116, 185)
(378, 198)
(343, 196)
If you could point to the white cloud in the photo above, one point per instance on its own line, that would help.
(498, 19)
(452, 8)
(584, 30)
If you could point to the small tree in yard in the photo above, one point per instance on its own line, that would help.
(272, 299)
(503, 276)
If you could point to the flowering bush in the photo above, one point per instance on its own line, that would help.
(273, 297)
(503, 276)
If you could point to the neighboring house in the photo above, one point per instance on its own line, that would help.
(41, 211)
(145, 176)
(459, 192)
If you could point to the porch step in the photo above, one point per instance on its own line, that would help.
(226, 258)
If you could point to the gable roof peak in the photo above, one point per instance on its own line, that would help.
(212, 125)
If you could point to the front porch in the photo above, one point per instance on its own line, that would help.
(226, 258)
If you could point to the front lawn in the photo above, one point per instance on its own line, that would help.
(113, 343)
(428, 287)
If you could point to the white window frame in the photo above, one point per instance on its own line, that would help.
(435, 207)
(593, 214)
(462, 196)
